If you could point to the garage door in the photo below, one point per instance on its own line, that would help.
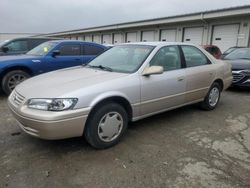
(193, 35)
(131, 37)
(148, 36)
(80, 37)
(168, 35)
(88, 38)
(106, 39)
(225, 36)
(118, 38)
(97, 38)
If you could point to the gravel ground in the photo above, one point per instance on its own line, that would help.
(186, 147)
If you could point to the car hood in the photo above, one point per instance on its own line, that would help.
(65, 82)
(12, 58)
(239, 64)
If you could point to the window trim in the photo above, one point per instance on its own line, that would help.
(184, 59)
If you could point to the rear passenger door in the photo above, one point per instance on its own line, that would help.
(199, 73)
(90, 52)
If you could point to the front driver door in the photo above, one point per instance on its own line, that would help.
(167, 90)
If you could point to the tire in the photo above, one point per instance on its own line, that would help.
(98, 131)
(212, 99)
(12, 79)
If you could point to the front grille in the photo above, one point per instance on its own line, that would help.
(17, 98)
(246, 72)
(237, 77)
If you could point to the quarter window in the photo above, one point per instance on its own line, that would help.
(168, 57)
(194, 57)
(70, 50)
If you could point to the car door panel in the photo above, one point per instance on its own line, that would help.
(199, 73)
(198, 81)
(166, 90)
(160, 92)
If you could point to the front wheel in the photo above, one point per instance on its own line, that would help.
(212, 99)
(12, 79)
(106, 125)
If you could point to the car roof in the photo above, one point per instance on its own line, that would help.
(209, 46)
(51, 38)
(74, 41)
(158, 43)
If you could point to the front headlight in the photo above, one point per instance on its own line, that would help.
(52, 104)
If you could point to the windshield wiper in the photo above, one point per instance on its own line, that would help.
(101, 67)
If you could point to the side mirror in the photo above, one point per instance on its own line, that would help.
(152, 70)
(55, 53)
(5, 49)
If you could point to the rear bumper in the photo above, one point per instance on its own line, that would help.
(51, 129)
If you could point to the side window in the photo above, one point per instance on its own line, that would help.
(168, 57)
(92, 50)
(19, 45)
(70, 50)
(35, 42)
(194, 57)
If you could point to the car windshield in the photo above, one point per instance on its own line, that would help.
(229, 50)
(42, 49)
(4, 42)
(241, 53)
(124, 58)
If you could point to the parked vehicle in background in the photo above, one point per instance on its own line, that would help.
(126, 83)
(49, 56)
(21, 45)
(229, 50)
(213, 50)
(240, 61)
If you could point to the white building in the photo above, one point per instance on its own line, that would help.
(223, 27)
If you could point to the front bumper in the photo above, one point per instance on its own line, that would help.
(50, 125)
(241, 78)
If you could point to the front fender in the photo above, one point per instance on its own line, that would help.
(107, 95)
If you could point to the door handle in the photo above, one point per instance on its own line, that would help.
(180, 79)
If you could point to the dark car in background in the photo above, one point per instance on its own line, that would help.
(240, 60)
(229, 50)
(21, 45)
(213, 50)
(46, 57)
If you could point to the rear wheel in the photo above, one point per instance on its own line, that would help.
(212, 99)
(12, 79)
(106, 125)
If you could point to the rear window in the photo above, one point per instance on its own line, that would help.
(70, 50)
(92, 50)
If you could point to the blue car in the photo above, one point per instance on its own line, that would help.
(49, 56)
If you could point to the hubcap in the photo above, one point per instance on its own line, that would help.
(110, 126)
(214, 96)
(15, 80)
